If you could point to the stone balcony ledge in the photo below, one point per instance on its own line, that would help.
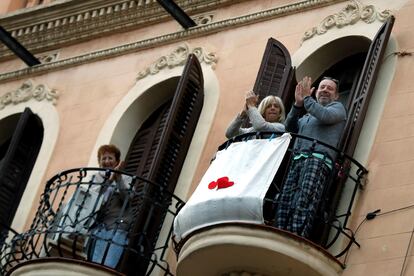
(239, 248)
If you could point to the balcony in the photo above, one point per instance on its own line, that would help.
(74, 203)
(61, 237)
(233, 246)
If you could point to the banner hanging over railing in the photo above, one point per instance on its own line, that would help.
(234, 186)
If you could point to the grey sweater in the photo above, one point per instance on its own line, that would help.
(324, 123)
(258, 124)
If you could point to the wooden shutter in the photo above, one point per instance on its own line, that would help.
(17, 164)
(276, 77)
(180, 126)
(141, 152)
(363, 91)
(167, 150)
(275, 71)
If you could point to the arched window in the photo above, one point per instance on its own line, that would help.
(20, 143)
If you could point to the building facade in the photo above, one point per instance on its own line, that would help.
(127, 73)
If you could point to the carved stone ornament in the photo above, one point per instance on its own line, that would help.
(351, 14)
(203, 19)
(178, 58)
(32, 3)
(28, 91)
(48, 57)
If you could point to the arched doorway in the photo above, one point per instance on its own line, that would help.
(20, 142)
(157, 153)
(355, 61)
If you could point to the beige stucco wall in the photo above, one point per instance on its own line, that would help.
(7, 6)
(94, 95)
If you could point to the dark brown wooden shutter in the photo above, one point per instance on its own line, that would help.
(142, 150)
(276, 77)
(180, 126)
(275, 71)
(170, 139)
(17, 164)
(363, 91)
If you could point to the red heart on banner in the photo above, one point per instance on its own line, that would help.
(212, 185)
(222, 183)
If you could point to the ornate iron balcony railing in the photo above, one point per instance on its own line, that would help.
(77, 202)
(347, 176)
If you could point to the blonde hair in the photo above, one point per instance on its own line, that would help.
(266, 102)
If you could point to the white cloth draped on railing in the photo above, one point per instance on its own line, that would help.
(234, 186)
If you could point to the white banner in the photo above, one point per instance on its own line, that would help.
(234, 186)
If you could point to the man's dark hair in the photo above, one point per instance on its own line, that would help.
(334, 80)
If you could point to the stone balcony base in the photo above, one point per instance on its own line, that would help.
(246, 249)
(61, 266)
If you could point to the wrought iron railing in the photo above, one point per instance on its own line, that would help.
(346, 178)
(78, 202)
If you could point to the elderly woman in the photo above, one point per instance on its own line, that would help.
(110, 233)
(269, 116)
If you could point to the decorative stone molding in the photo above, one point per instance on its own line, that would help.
(177, 58)
(31, 3)
(29, 91)
(169, 38)
(351, 14)
(48, 57)
(203, 19)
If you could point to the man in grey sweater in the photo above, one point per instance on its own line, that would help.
(322, 119)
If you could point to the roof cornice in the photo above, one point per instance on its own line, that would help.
(198, 31)
(61, 23)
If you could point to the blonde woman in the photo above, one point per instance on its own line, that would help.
(269, 116)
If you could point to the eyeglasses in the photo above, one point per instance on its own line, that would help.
(332, 79)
